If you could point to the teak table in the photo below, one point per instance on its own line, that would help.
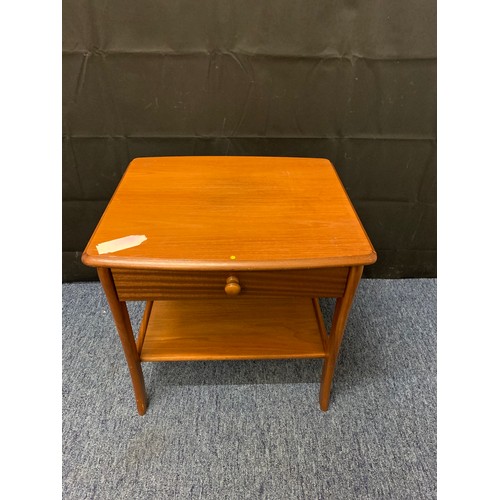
(230, 255)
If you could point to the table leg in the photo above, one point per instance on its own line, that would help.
(342, 307)
(124, 327)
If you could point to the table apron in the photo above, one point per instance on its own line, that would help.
(151, 284)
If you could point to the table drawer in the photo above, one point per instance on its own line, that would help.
(149, 284)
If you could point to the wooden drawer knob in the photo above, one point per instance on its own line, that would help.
(232, 286)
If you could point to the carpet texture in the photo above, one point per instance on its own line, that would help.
(253, 429)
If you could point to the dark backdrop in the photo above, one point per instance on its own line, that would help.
(351, 81)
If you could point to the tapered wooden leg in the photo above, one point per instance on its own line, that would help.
(342, 308)
(122, 321)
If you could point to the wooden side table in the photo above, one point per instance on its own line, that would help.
(230, 255)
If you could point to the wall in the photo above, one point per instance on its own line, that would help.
(354, 82)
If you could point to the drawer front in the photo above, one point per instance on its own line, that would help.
(142, 284)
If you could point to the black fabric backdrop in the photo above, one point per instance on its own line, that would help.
(351, 81)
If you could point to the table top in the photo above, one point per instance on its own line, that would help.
(228, 213)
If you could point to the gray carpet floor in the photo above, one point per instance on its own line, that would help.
(253, 429)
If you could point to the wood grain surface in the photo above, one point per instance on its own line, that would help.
(231, 213)
(233, 329)
(151, 284)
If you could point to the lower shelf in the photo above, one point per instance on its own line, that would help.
(234, 328)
